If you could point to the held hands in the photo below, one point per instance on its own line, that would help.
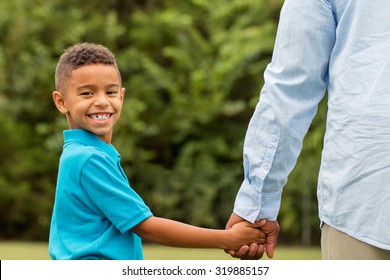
(269, 229)
(244, 232)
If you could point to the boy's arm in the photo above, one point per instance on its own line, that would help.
(172, 233)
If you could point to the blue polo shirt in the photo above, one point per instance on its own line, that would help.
(95, 208)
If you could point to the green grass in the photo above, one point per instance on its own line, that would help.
(152, 252)
(23, 251)
(38, 251)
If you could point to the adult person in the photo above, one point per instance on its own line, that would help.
(340, 47)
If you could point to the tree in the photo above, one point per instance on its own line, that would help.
(192, 71)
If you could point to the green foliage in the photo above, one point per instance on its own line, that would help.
(194, 116)
(192, 71)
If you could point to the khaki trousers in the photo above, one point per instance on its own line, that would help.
(336, 245)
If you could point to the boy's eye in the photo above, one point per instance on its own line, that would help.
(86, 93)
(111, 92)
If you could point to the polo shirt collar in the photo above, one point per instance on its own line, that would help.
(89, 139)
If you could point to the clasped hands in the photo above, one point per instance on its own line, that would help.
(255, 251)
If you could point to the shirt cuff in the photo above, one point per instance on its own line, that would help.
(252, 206)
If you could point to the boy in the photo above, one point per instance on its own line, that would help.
(97, 215)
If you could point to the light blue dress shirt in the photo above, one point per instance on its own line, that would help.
(342, 47)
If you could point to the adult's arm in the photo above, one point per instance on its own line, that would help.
(295, 83)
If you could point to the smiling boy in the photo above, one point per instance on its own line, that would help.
(97, 215)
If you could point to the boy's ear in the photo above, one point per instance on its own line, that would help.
(123, 91)
(59, 101)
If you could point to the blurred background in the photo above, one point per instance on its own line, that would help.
(192, 71)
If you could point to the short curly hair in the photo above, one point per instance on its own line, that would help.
(80, 55)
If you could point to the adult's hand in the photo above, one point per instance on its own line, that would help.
(271, 230)
(256, 251)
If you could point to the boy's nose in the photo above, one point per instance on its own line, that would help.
(101, 100)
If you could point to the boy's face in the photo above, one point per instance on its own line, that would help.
(92, 99)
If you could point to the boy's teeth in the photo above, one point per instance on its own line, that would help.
(100, 117)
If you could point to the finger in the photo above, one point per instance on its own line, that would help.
(242, 252)
(260, 251)
(271, 245)
(253, 252)
(231, 253)
(260, 223)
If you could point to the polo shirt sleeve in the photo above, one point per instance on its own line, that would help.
(110, 193)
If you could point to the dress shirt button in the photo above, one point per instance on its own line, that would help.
(255, 206)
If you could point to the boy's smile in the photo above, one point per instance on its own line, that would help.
(92, 99)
